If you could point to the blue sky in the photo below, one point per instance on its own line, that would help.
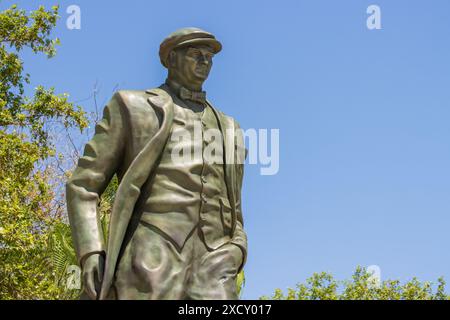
(363, 116)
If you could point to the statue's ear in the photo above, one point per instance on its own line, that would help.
(172, 58)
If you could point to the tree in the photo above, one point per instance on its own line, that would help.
(323, 286)
(27, 200)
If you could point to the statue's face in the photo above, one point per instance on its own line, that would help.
(191, 65)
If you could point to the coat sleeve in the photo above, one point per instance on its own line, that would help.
(239, 236)
(100, 161)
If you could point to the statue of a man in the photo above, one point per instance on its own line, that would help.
(176, 228)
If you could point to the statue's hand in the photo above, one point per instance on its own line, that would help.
(93, 268)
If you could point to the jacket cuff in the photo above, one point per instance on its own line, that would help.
(87, 255)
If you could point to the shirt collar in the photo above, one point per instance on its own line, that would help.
(186, 94)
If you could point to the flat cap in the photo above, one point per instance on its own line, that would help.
(184, 37)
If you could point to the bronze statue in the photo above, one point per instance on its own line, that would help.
(176, 228)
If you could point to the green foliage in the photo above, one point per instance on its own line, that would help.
(28, 212)
(62, 256)
(62, 250)
(21, 30)
(322, 286)
(240, 282)
(17, 31)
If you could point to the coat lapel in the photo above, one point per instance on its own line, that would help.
(130, 186)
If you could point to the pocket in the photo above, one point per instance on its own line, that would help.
(225, 215)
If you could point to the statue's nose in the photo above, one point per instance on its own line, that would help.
(204, 59)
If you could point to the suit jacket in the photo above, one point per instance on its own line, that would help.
(128, 142)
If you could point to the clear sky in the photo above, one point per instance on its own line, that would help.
(364, 175)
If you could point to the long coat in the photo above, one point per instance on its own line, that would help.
(128, 142)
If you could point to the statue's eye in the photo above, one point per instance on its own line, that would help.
(194, 53)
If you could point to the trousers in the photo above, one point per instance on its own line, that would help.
(151, 268)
